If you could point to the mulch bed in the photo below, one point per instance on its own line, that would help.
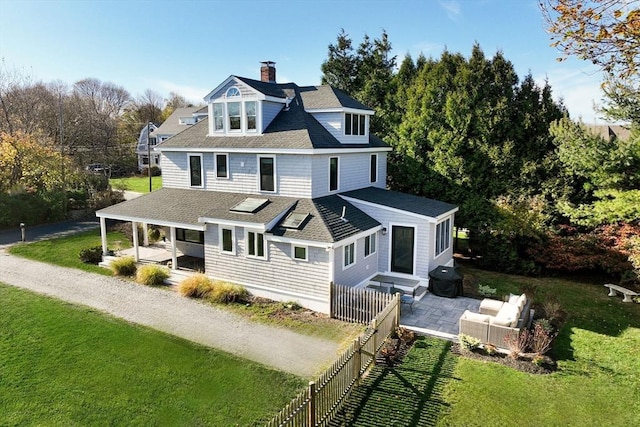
(523, 363)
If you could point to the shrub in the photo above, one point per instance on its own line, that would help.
(486, 291)
(196, 286)
(125, 266)
(538, 360)
(152, 275)
(541, 339)
(154, 234)
(226, 293)
(92, 255)
(552, 308)
(517, 343)
(544, 324)
(155, 171)
(102, 199)
(490, 349)
(530, 290)
(468, 343)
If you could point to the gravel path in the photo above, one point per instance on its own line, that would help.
(169, 312)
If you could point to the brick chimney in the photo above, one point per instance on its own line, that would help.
(268, 71)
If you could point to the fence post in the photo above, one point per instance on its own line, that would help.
(311, 413)
(374, 326)
(398, 308)
(357, 360)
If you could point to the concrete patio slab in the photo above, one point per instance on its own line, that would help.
(437, 316)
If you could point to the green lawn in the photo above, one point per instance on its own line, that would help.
(136, 183)
(65, 365)
(64, 250)
(598, 381)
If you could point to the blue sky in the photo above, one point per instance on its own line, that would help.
(191, 46)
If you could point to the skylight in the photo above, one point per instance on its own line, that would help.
(249, 205)
(295, 220)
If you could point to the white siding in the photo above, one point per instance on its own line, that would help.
(279, 273)
(423, 238)
(242, 175)
(333, 122)
(353, 172)
(362, 269)
(175, 171)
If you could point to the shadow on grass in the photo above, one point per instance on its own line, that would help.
(410, 394)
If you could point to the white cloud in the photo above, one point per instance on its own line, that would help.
(452, 8)
(580, 90)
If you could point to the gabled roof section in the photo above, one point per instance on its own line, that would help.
(267, 88)
(325, 223)
(405, 202)
(172, 125)
(292, 128)
(326, 97)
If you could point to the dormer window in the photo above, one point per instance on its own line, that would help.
(354, 124)
(234, 115)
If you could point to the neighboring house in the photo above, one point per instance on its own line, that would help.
(283, 189)
(609, 132)
(178, 121)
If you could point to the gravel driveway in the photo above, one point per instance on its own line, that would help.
(169, 312)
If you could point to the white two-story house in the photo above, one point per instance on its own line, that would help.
(283, 189)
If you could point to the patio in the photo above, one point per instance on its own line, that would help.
(437, 316)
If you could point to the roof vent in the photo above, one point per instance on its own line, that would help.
(344, 212)
(268, 71)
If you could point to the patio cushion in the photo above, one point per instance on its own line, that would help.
(521, 301)
(475, 317)
(510, 312)
(513, 299)
(500, 321)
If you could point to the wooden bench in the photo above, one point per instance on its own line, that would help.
(615, 289)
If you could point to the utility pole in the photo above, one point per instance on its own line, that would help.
(149, 156)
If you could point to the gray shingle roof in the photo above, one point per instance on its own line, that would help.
(172, 125)
(406, 202)
(182, 206)
(292, 129)
(269, 89)
(318, 97)
(325, 223)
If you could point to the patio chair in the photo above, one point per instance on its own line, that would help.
(408, 299)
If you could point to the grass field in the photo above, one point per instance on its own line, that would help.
(139, 184)
(65, 365)
(597, 384)
(64, 251)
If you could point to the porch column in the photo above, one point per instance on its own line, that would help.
(174, 256)
(145, 227)
(134, 225)
(103, 235)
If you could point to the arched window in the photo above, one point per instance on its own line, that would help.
(233, 91)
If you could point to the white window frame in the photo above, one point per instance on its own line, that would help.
(213, 111)
(245, 117)
(221, 241)
(293, 252)
(215, 166)
(372, 248)
(240, 116)
(189, 156)
(344, 255)
(337, 174)
(227, 96)
(443, 236)
(373, 172)
(256, 246)
(275, 174)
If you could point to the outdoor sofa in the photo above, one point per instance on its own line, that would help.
(497, 319)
